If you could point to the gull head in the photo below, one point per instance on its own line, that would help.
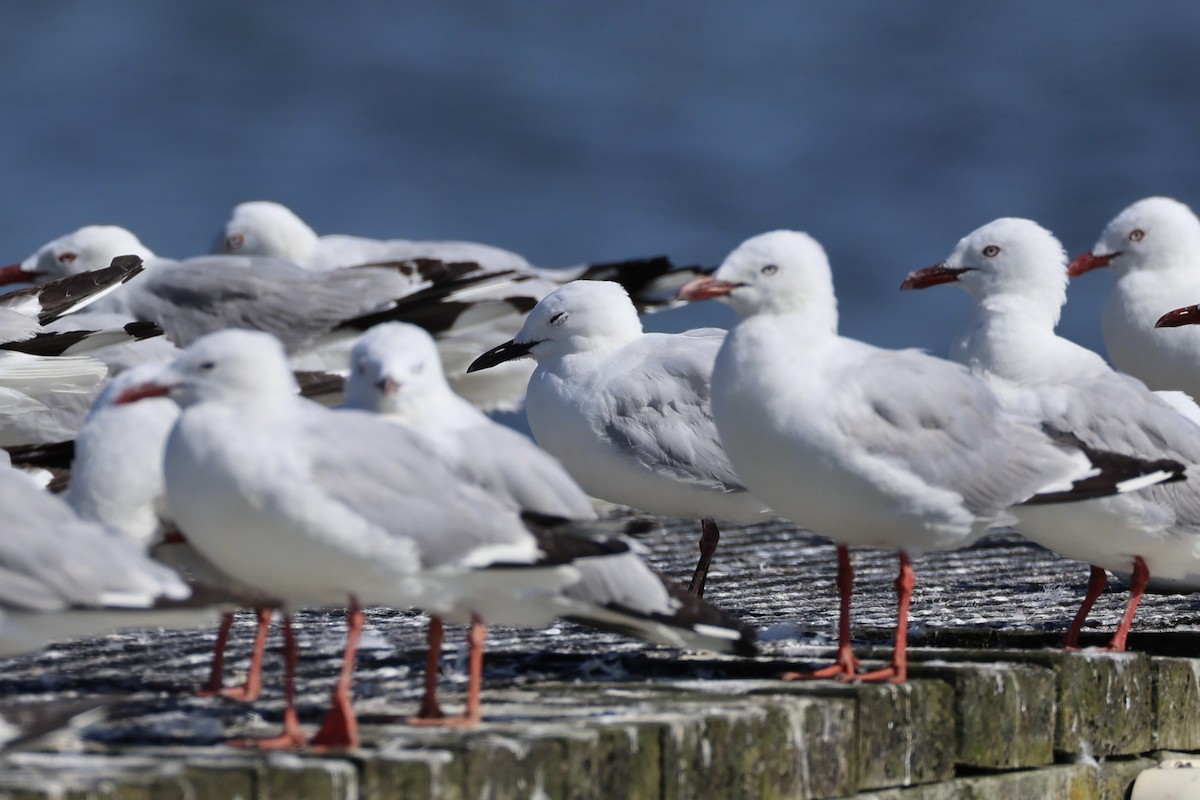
(1008, 256)
(780, 272)
(235, 367)
(91, 247)
(577, 317)
(392, 367)
(263, 228)
(138, 376)
(1155, 233)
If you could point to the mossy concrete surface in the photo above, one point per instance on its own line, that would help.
(958, 728)
(993, 708)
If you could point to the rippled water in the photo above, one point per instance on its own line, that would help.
(578, 132)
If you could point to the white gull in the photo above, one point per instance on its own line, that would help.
(1016, 271)
(626, 412)
(882, 448)
(1153, 246)
(317, 507)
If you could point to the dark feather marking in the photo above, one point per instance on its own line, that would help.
(50, 343)
(143, 329)
(1114, 469)
(428, 307)
(639, 274)
(59, 296)
(316, 384)
(58, 455)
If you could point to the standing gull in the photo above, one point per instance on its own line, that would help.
(395, 372)
(1154, 248)
(867, 446)
(1016, 271)
(117, 480)
(365, 512)
(626, 412)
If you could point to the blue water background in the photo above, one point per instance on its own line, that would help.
(585, 131)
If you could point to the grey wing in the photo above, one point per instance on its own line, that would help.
(393, 477)
(1118, 413)
(931, 418)
(513, 468)
(656, 408)
(51, 560)
(190, 299)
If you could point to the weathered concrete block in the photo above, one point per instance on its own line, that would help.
(1105, 700)
(905, 733)
(416, 774)
(1176, 703)
(1105, 704)
(288, 776)
(823, 738)
(1004, 712)
(755, 738)
(219, 781)
(629, 762)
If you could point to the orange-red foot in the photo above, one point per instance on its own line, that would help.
(885, 675)
(430, 712)
(844, 669)
(339, 729)
(246, 693)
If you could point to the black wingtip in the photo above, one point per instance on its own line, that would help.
(1116, 473)
(651, 282)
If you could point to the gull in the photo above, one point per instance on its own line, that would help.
(319, 507)
(1154, 247)
(508, 282)
(1016, 271)
(117, 480)
(62, 576)
(317, 315)
(48, 377)
(627, 412)
(873, 447)
(264, 228)
(395, 372)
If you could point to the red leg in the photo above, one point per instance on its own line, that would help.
(476, 640)
(1137, 587)
(1096, 583)
(709, 536)
(216, 673)
(846, 665)
(252, 688)
(898, 671)
(429, 704)
(339, 729)
(292, 736)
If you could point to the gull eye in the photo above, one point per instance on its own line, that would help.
(418, 368)
(559, 318)
(1136, 235)
(235, 242)
(991, 251)
(208, 366)
(67, 257)
(769, 269)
